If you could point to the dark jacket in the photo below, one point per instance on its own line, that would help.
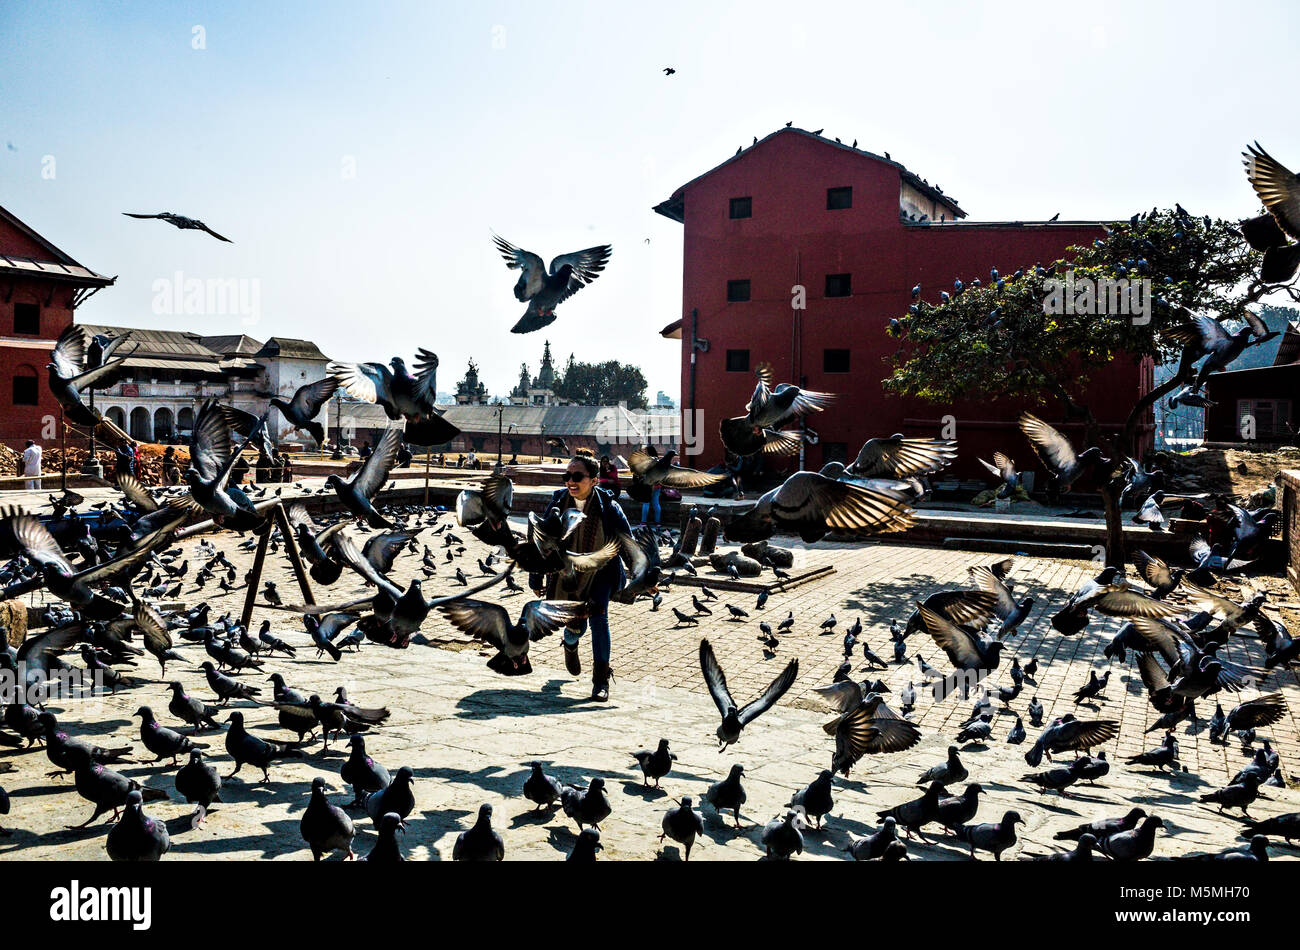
(614, 523)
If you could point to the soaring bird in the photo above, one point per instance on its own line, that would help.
(180, 221)
(544, 290)
(735, 719)
(1279, 189)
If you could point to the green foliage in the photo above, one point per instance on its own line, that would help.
(998, 341)
(602, 384)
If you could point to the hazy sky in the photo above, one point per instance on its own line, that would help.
(552, 124)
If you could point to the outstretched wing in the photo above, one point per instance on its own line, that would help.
(211, 450)
(375, 469)
(715, 679)
(309, 399)
(69, 353)
(426, 375)
(1277, 186)
(37, 542)
(1153, 570)
(369, 382)
(1052, 448)
(382, 549)
(988, 581)
(345, 546)
(533, 278)
(135, 492)
(954, 641)
(842, 506)
(775, 690)
(541, 618)
(480, 619)
(587, 265)
(897, 457)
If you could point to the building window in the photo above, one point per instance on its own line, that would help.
(839, 285)
(27, 319)
(837, 199)
(742, 207)
(835, 361)
(737, 291)
(737, 361)
(26, 387)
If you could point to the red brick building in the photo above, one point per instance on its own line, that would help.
(40, 288)
(857, 231)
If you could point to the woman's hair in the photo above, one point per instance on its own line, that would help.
(587, 463)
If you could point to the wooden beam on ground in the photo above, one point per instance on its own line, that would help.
(254, 579)
(295, 558)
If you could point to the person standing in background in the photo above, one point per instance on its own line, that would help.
(32, 465)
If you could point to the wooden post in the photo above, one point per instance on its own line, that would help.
(428, 460)
(254, 579)
(295, 558)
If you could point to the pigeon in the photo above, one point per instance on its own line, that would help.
(1057, 455)
(308, 400)
(1236, 796)
(102, 787)
(137, 837)
(1103, 828)
(660, 470)
(814, 799)
(179, 221)
(1011, 612)
(1286, 826)
(326, 828)
(1279, 192)
(958, 810)
(685, 618)
(161, 741)
(244, 747)
(735, 719)
(543, 290)
(199, 784)
(386, 849)
(540, 788)
(363, 773)
(683, 824)
(1057, 779)
(811, 505)
(401, 395)
(1134, 844)
(654, 765)
(948, 772)
(1161, 757)
(480, 842)
(729, 793)
(1157, 574)
(491, 624)
(914, 815)
(976, 731)
(1035, 712)
(1092, 689)
(356, 492)
(871, 847)
(227, 688)
(783, 836)
(585, 846)
(589, 806)
(1069, 734)
(188, 709)
(996, 837)
(1003, 469)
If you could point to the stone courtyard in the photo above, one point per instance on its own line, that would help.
(468, 732)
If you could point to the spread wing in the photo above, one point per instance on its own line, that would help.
(426, 375)
(988, 581)
(1263, 711)
(533, 277)
(369, 382)
(211, 451)
(69, 353)
(37, 542)
(843, 506)
(586, 563)
(963, 606)
(375, 469)
(1085, 733)
(842, 697)
(154, 628)
(135, 492)
(1211, 601)
(1277, 187)
(1160, 637)
(480, 619)
(1052, 448)
(1126, 602)
(541, 618)
(775, 690)
(715, 679)
(1211, 332)
(863, 733)
(587, 265)
(1154, 677)
(52, 641)
(897, 457)
(345, 545)
(382, 549)
(309, 399)
(954, 641)
(1153, 570)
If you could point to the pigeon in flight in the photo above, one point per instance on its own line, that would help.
(662, 471)
(735, 719)
(180, 221)
(1279, 189)
(544, 290)
(400, 394)
(1055, 452)
(70, 375)
(811, 505)
(358, 490)
(301, 411)
(491, 624)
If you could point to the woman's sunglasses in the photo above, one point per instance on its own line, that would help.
(576, 476)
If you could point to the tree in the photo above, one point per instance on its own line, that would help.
(998, 339)
(602, 384)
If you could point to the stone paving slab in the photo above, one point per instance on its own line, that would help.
(467, 732)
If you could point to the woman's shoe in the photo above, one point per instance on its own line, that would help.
(572, 662)
(600, 676)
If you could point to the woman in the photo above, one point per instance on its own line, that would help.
(650, 506)
(608, 476)
(604, 521)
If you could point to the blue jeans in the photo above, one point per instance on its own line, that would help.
(651, 505)
(598, 605)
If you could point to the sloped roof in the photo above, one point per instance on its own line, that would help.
(612, 424)
(674, 206)
(231, 345)
(57, 265)
(290, 348)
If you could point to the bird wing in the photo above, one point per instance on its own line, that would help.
(1211, 601)
(587, 265)
(533, 277)
(1268, 631)
(1257, 326)
(135, 492)
(1154, 677)
(842, 697)
(1052, 448)
(586, 563)
(843, 506)
(131, 214)
(963, 606)
(1153, 570)
(864, 733)
(1085, 733)
(369, 382)
(1262, 711)
(954, 641)
(681, 477)
(375, 469)
(309, 399)
(640, 462)
(204, 227)
(480, 619)
(426, 375)
(541, 618)
(211, 450)
(331, 625)
(500, 491)
(345, 545)
(69, 353)
(381, 549)
(1210, 331)
(51, 641)
(129, 559)
(36, 541)
(715, 679)
(153, 627)
(1277, 186)
(1006, 467)
(781, 443)
(1160, 637)
(897, 457)
(775, 690)
(300, 517)
(1126, 602)
(988, 581)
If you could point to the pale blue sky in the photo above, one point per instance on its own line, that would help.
(552, 124)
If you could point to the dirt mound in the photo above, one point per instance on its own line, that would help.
(1237, 472)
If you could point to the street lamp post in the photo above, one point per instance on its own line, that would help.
(501, 411)
(541, 449)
